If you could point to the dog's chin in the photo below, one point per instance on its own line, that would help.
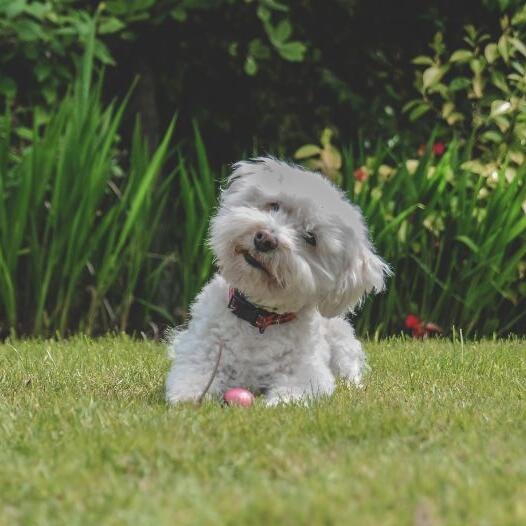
(263, 281)
(253, 274)
(253, 262)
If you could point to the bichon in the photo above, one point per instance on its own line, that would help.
(294, 257)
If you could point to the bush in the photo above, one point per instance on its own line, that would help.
(457, 247)
(478, 93)
(75, 233)
(275, 71)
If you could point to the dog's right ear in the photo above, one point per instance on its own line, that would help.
(365, 274)
(360, 270)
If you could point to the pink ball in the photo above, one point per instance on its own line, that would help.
(238, 396)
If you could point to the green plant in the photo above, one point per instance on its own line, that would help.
(41, 40)
(75, 233)
(478, 92)
(273, 15)
(198, 199)
(457, 250)
(327, 159)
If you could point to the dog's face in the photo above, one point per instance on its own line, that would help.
(289, 239)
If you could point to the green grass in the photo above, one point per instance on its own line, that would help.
(437, 437)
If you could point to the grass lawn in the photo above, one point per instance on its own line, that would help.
(437, 437)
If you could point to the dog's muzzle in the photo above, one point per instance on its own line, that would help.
(265, 241)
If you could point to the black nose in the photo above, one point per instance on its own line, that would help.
(265, 241)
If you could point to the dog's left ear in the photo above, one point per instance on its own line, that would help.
(242, 172)
(362, 272)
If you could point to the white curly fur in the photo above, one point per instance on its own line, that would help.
(302, 358)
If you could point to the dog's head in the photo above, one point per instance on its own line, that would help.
(289, 239)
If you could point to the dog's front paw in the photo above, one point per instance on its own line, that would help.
(180, 398)
(353, 382)
(178, 394)
(287, 397)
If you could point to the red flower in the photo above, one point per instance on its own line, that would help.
(439, 148)
(419, 328)
(361, 174)
(412, 321)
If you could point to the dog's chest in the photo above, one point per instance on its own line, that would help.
(253, 360)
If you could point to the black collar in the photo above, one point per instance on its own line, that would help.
(256, 316)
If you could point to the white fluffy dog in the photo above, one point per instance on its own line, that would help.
(294, 256)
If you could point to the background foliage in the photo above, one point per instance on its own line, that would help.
(255, 73)
(104, 202)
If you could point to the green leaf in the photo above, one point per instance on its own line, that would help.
(469, 243)
(250, 67)
(179, 14)
(500, 107)
(102, 53)
(111, 25)
(308, 150)
(282, 31)
(519, 17)
(49, 91)
(418, 111)
(7, 87)
(264, 14)
(423, 60)
(461, 55)
(447, 109)
(293, 51)
(25, 133)
(502, 45)
(275, 5)
(476, 65)
(432, 76)
(410, 104)
(258, 50)
(475, 167)
(499, 80)
(502, 122)
(459, 83)
(38, 10)
(42, 70)
(28, 31)
(491, 52)
(518, 45)
(14, 8)
(492, 136)
(454, 117)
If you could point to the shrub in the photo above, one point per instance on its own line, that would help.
(457, 248)
(478, 93)
(198, 193)
(40, 43)
(75, 232)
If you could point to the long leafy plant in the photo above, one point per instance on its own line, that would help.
(75, 235)
(457, 246)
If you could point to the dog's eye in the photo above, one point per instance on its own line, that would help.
(273, 206)
(310, 238)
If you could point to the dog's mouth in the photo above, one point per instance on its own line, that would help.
(253, 262)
